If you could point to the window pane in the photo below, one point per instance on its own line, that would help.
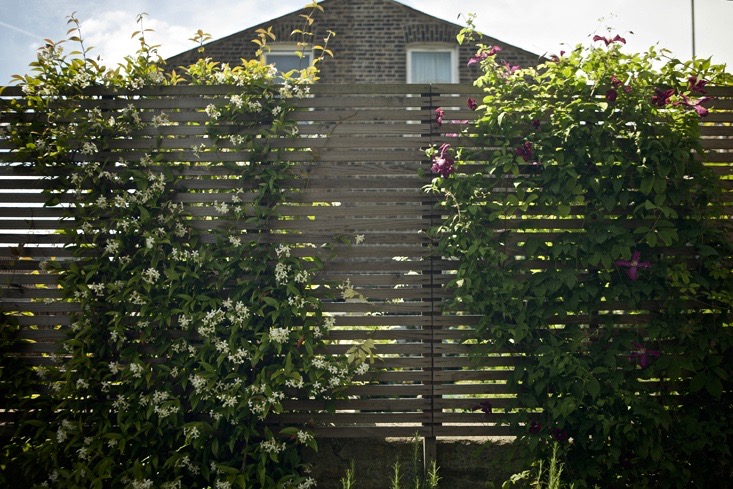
(287, 62)
(431, 67)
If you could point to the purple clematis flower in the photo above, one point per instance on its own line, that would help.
(535, 123)
(535, 427)
(662, 97)
(555, 58)
(695, 104)
(493, 50)
(439, 114)
(697, 85)
(483, 55)
(509, 69)
(608, 41)
(477, 59)
(443, 163)
(471, 103)
(525, 151)
(611, 95)
(615, 81)
(485, 407)
(633, 265)
(641, 355)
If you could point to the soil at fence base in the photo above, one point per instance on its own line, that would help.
(463, 463)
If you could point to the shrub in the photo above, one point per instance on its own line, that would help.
(590, 246)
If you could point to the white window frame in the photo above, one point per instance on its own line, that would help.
(434, 48)
(288, 48)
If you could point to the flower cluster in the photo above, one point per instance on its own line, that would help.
(443, 162)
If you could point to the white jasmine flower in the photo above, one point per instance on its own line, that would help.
(301, 277)
(198, 382)
(279, 335)
(89, 148)
(304, 436)
(271, 446)
(136, 369)
(237, 101)
(151, 275)
(283, 250)
(212, 112)
(281, 273)
(191, 433)
(112, 247)
(221, 208)
(160, 120)
(307, 484)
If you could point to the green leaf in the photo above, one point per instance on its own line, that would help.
(646, 185)
(714, 386)
(698, 381)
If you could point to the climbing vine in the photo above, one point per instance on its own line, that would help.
(588, 243)
(192, 323)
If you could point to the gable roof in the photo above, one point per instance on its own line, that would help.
(370, 35)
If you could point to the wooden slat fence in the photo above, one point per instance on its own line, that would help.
(358, 156)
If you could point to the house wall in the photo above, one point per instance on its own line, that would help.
(370, 46)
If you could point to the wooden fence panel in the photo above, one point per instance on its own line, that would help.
(355, 174)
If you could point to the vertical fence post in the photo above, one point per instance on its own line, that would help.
(429, 440)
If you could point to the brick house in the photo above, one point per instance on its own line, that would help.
(377, 41)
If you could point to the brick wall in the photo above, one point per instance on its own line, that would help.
(372, 37)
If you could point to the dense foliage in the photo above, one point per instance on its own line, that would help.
(180, 347)
(584, 224)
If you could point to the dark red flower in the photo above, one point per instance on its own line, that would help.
(633, 265)
(662, 97)
(471, 103)
(608, 41)
(611, 95)
(485, 407)
(559, 435)
(628, 89)
(697, 85)
(615, 81)
(535, 123)
(439, 114)
(556, 58)
(641, 355)
(525, 151)
(535, 427)
(626, 460)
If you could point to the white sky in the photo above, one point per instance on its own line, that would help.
(540, 26)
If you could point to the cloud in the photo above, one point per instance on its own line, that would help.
(110, 33)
